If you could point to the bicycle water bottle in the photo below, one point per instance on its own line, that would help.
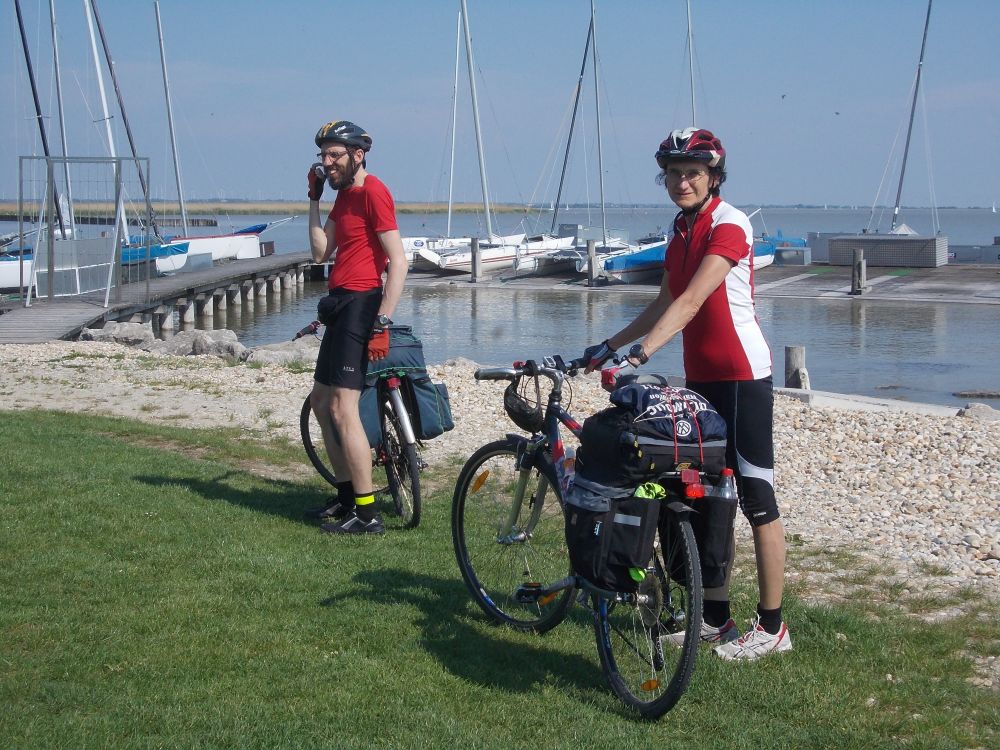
(726, 488)
(566, 470)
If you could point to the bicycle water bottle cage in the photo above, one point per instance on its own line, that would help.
(522, 412)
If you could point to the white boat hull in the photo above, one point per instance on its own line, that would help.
(219, 247)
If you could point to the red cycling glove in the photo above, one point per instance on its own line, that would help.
(378, 344)
(317, 179)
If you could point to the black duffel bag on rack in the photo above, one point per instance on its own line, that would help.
(650, 430)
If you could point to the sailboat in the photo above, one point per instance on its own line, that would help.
(615, 257)
(457, 255)
(175, 251)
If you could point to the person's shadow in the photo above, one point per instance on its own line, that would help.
(273, 496)
(462, 647)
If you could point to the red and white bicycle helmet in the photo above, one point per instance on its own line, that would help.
(692, 143)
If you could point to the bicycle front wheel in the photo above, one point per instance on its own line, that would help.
(312, 441)
(648, 642)
(402, 469)
(508, 531)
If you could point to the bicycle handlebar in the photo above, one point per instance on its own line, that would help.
(308, 330)
(551, 367)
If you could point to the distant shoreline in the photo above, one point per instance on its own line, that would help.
(277, 207)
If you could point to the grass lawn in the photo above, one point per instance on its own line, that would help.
(159, 589)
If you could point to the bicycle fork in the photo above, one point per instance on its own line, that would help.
(510, 533)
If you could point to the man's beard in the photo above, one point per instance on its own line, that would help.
(345, 180)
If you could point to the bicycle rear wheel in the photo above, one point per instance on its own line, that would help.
(508, 531)
(312, 441)
(644, 670)
(402, 469)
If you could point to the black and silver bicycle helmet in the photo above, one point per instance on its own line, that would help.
(346, 132)
(522, 412)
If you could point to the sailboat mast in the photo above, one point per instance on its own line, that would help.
(913, 109)
(572, 123)
(475, 117)
(597, 101)
(121, 107)
(112, 152)
(38, 106)
(694, 114)
(62, 115)
(454, 119)
(170, 121)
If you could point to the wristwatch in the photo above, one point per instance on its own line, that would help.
(382, 321)
(638, 353)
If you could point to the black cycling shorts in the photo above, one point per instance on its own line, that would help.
(343, 355)
(748, 408)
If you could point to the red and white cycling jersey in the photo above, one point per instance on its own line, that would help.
(724, 340)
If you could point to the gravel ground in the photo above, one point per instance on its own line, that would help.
(922, 491)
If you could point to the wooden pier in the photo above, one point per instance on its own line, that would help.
(202, 291)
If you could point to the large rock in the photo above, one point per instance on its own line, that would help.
(984, 412)
(220, 343)
(302, 351)
(129, 334)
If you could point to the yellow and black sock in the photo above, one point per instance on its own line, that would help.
(364, 506)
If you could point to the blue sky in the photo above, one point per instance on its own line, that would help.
(807, 97)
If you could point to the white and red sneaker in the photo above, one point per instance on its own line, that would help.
(755, 643)
(709, 634)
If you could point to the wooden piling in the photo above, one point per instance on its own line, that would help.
(796, 375)
(477, 262)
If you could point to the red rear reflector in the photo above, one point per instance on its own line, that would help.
(690, 476)
(694, 491)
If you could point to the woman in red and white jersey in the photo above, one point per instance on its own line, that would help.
(707, 295)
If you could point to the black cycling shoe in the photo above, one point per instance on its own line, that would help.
(336, 510)
(354, 524)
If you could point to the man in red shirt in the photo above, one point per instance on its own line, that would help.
(361, 236)
(707, 293)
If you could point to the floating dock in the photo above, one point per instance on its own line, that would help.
(195, 292)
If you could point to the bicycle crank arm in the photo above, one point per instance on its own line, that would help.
(532, 592)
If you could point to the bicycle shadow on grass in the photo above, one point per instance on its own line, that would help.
(508, 660)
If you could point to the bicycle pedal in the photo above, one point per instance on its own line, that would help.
(528, 593)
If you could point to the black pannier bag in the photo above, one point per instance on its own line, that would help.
(712, 519)
(426, 401)
(652, 429)
(610, 532)
(712, 523)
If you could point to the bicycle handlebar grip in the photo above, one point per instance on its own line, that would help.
(495, 373)
(309, 329)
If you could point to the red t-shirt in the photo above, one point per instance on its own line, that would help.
(723, 341)
(360, 214)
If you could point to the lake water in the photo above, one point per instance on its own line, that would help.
(913, 351)
(963, 226)
(916, 352)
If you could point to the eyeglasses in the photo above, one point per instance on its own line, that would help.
(331, 155)
(689, 176)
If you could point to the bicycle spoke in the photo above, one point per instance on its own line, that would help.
(504, 543)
